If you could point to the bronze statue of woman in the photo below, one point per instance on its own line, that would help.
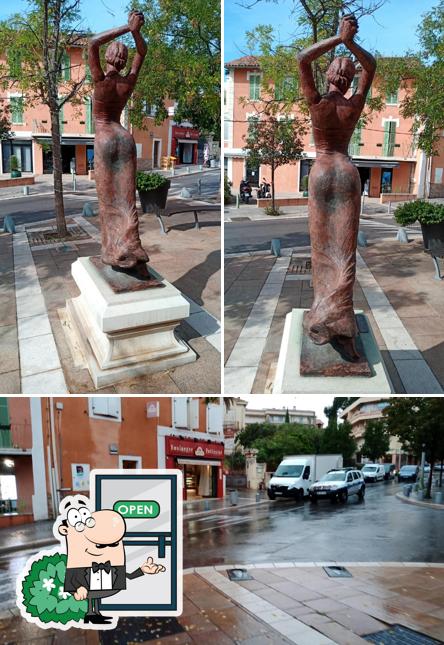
(114, 147)
(334, 188)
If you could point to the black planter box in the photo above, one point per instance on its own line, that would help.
(433, 236)
(153, 201)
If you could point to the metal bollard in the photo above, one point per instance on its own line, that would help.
(276, 247)
(258, 496)
(438, 497)
(199, 186)
(200, 166)
(234, 497)
(237, 201)
(188, 170)
(206, 505)
(26, 190)
(389, 208)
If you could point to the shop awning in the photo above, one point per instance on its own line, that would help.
(375, 163)
(67, 141)
(199, 462)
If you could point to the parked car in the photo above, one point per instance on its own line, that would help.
(373, 472)
(389, 471)
(408, 473)
(338, 485)
(296, 473)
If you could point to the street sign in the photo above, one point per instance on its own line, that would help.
(150, 501)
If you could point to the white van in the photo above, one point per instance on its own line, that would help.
(296, 473)
(373, 472)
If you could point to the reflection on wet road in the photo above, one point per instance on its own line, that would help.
(381, 528)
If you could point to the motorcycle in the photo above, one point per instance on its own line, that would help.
(245, 193)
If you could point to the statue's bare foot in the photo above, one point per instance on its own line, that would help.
(347, 347)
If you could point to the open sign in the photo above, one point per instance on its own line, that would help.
(131, 509)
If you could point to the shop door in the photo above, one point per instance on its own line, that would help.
(68, 153)
(186, 150)
(386, 180)
(156, 153)
(364, 174)
(214, 470)
(252, 174)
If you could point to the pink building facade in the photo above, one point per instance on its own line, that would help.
(31, 129)
(383, 150)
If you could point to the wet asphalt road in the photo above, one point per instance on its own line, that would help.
(381, 528)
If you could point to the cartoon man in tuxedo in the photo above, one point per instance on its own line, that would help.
(95, 566)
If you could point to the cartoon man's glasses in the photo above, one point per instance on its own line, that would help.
(80, 519)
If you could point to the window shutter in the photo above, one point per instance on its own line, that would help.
(89, 115)
(214, 418)
(4, 413)
(61, 118)
(254, 86)
(180, 412)
(114, 403)
(386, 138)
(392, 137)
(194, 414)
(16, 105)
(354, 147)
(66, 64)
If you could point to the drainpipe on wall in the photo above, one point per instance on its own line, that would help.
(54, 452)
(39, 498)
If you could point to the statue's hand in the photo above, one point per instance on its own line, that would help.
(151, 567)
(135, 20)
(348, 28)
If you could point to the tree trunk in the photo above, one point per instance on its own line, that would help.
(429, 483)
(272, 186)
(440, 476)
(57, 172)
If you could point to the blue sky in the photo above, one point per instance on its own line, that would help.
(391, 31)
(98, 14)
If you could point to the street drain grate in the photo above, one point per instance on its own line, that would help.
(140, 630)
(299, 266)
(238, 575)
(240, 219)
(337, 572)
(398, 635)
(49, 236)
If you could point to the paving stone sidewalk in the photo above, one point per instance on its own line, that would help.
(36, 282)
(283, 603)
(394, 287)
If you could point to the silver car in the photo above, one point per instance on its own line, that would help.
(338, 485)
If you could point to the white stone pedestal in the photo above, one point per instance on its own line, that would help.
(288, 379)
(126, 335)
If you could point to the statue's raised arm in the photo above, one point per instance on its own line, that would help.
(348, 30)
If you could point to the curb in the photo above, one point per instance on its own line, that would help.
(190, 516)
(307, 565)
(417, 502)
(27, 545)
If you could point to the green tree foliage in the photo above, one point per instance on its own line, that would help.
(236, 461)
(339, 440)
(182, 63)
(418, 422)
(273, 141)
(376, 440)
(288, 439)
(421, 74)
(339, 404)
(5, 122)
(36, 43)
(253, 431)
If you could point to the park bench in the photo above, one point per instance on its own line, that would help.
(176, 207)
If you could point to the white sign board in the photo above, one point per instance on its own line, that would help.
(80, 477)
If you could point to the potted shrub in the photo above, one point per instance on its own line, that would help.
(304, 185)
(153, 191)
(14, 166)
(431, 218)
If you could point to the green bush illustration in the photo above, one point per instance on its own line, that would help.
(43, 594)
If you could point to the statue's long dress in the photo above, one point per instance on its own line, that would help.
(115, 173)
(334, 208)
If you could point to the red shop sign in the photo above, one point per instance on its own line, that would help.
(186, 448)
(185, 133)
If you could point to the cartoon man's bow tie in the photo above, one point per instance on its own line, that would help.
(104, 567)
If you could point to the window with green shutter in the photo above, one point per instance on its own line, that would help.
(88, 77)
(354, 147)
(66, 67)
(255, 86)
(16, 107)
(4, 413)
(389, 138)
(61, 118)
(89, 115)
(286, 89)
(392, 98)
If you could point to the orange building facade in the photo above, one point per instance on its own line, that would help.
(54, 443)
(383, 150)
(31, 129)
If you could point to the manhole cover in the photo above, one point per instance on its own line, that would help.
(238, 575)
(337, 572)
(140, 630)
(50, 236)
(398, 635)
(299, 266)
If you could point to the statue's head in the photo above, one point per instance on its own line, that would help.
(117, 55)
(341, 73)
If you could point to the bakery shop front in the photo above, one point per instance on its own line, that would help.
(184, 144)
(201, 463)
